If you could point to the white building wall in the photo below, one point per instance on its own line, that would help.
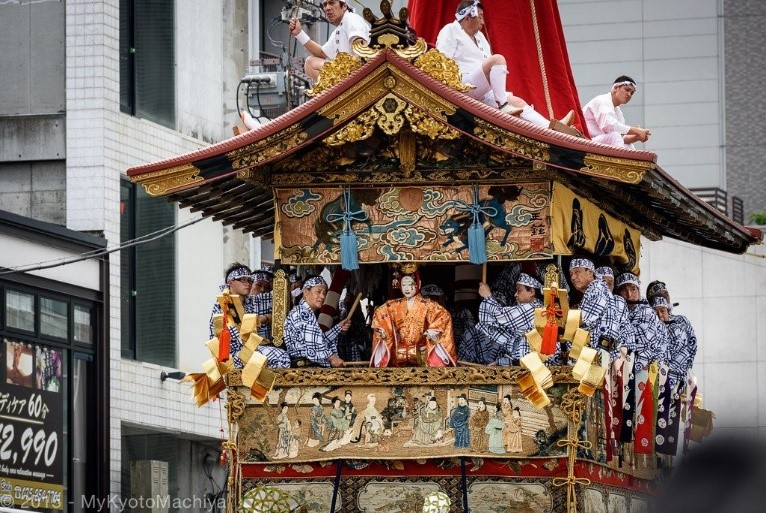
(724, 297)
(102, 143)
(674, 50)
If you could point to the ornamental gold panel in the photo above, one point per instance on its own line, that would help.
(424, 124)
(390, 109)
(512, 142)
(622, 170)
(281, 302)
(267, 148)
(413, 376)
(359, 129)
(158, 183)
(334, 71)
(442, 68)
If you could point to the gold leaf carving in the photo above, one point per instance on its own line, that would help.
(273, 145)
(512, 142)
(280, 299)
(158, 183)
(335, 70)
(442, 68)
(623, 170)
(357, 130)
(422, 123)
(360, 376)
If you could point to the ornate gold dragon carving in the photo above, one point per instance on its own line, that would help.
(512, 142)
(267, 148)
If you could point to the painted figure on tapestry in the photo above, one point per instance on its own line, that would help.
(340, 434)
(317, 421)
(349, 409)
(506, 406)
(494, 429)
(287, 445)
(412, 331)
(514, 430)
(458, 419)
(371, 429)
(477, 422)
(430, 424)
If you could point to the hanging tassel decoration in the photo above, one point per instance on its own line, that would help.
(551, 330)
(224, 339)
(477, 243)
(349, 251)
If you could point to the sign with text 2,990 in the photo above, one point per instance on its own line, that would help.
(31, 427)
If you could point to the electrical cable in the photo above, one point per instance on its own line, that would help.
(150, 237)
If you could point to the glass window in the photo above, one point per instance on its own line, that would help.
(148, 279)
(147, 60)
(20, 310)
(54, 318)
(83, 324)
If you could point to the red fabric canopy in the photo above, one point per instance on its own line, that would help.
(529, 34)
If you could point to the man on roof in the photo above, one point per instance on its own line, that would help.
(349, 27)
(463, 41)
(605, 120)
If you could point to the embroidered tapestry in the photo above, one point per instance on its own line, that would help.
(413, 223)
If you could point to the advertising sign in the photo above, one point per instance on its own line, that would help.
(31, 427)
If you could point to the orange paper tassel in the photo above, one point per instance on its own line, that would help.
(224, 340)
(551, 331)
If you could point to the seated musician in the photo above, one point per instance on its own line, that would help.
(412, 331)
(305, 341)
(506, 325)
(239, 281)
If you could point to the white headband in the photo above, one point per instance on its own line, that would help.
(471, 10)
(623, 83)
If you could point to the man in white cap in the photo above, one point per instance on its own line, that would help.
(238, 280)
(349, 26)
(305, 341)
(506, 325)
(599, 312)
(463, 41)
(605, 121)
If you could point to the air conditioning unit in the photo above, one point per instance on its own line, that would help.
(149, 487)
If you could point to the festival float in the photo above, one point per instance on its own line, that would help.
(390, 166)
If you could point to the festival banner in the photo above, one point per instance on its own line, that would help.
(415, 224)
(31, 427)
(579, 226)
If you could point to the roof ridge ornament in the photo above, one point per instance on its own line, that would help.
(390, 32)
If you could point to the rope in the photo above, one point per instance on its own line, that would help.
(347, 216)
(475, 209)
(541, 60)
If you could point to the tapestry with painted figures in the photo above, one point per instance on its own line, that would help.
(579, 227)
(311, 424)
(414, 223)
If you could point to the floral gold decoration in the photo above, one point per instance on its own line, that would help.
(334, 71)
(442, 68)
(272, 146)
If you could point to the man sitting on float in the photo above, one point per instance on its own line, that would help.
(412, 331)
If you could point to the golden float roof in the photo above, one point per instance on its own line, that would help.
(399, 119)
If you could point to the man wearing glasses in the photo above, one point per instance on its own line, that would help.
(349, 26)
(238, 280)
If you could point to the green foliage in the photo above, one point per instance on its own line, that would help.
(758, 218)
